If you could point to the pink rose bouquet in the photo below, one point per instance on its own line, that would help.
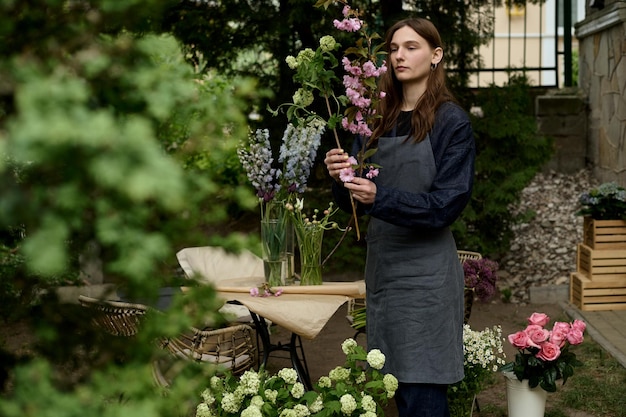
(543, 355)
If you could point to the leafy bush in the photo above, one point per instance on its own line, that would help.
(509, 154)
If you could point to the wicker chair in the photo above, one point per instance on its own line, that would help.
(230, 348)
(465, 255)
(117, 318)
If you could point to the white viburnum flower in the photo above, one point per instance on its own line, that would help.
(288, 412)
(325, 382)
(376, 359)
(230, 403)
(289, 375)
(339, 374)
(317, 405)
(391, 385)
(252, 411)
(257, 401)
(361, 378)
(348, 404)
(301, 410)
(249, 382)
(291, 61)
(207, 396)
(368, 403)
(215, 382)
(297, 391)
(271, 395)
(348, 346)
(202, 410)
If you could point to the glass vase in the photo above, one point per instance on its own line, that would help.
(274, 242)
(310, 240)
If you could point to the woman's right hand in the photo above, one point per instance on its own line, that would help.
(336, 160)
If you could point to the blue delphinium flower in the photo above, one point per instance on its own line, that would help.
(297, 153)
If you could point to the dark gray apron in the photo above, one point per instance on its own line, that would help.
(414, 279)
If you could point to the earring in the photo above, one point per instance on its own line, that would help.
(433, 66)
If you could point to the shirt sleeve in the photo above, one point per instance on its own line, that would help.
(452, 141)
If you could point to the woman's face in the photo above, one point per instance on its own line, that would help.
(411, 56)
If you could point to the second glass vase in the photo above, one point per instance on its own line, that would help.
(310, 240)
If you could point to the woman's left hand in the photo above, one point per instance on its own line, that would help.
(363, 190)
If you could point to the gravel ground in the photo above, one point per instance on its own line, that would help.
(543, 251)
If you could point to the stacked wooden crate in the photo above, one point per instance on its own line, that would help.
(599, 282)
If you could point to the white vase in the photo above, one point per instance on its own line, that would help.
(522, 400)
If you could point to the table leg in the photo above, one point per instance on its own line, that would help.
(299, 365)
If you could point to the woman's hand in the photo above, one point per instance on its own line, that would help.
(362, 189)
(336, 160)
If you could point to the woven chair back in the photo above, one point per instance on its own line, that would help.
(115, 317)
(464, 255)
(231, 348)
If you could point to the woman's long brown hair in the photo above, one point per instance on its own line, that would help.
(436, 92)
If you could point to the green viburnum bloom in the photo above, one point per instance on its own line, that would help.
(303, 97)
(339, 374)
(328, 43)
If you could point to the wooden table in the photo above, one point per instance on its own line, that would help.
(303, 310)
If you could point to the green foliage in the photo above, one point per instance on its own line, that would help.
(509, 153)
(108, 139)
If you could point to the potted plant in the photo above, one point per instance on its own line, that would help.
(543, 358)
(604, 211)
(349, 390)
(483, 355)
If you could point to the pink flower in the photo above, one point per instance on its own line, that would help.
(520, 340)
(348, 25)
(537, 334)
(575, 336)
(579, 325)
(539, 319)
(278, 292)
(549, 352)
(559, 333)
(346, 174)
(254, 292)
(372, 173)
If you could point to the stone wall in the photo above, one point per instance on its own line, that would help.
(562, 115)
(602, 77)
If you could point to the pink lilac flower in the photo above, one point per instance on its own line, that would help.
(278, 292)
(254, 292)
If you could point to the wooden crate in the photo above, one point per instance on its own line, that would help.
(590, 295)
(604, 234)
(601, 265)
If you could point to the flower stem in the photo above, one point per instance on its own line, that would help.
(352, 202)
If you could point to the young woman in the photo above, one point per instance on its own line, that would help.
(425, 147)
